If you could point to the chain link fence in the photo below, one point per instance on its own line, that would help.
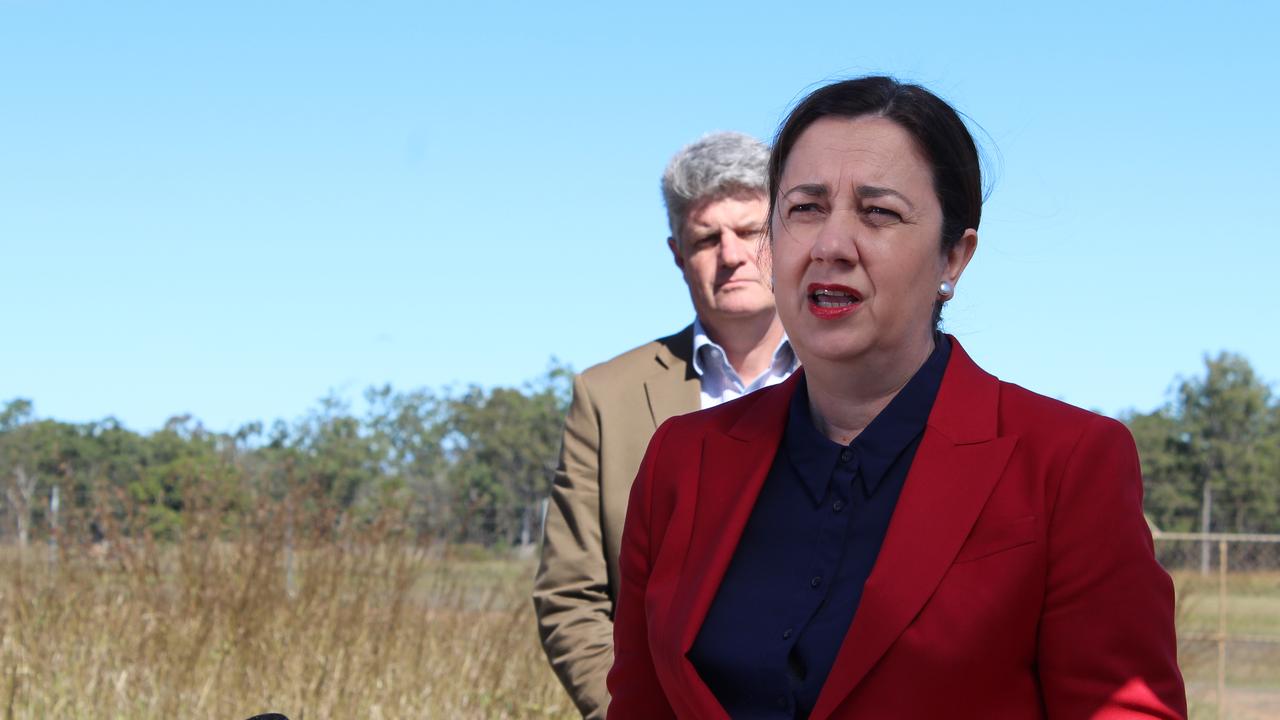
(1228, 615)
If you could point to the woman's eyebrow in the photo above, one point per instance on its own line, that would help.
(873, 191)
(813, 189)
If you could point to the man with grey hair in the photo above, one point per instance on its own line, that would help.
(715, 193)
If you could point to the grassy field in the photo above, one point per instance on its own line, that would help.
(1252, 663)
(356, 632)
(361, 629)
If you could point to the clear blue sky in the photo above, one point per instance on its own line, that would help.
(230, 209)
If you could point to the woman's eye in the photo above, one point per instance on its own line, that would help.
(803, 208)
(881, 216)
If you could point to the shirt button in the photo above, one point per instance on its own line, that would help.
(837, 505)
(786, 634)
(846, 456)
(816, 581)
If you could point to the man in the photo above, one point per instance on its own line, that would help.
(716, 204)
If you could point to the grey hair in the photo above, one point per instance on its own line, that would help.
(718, 165)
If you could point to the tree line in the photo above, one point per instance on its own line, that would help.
(469, 466)
(473, 465)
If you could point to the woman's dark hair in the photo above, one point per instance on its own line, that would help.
(940, 134)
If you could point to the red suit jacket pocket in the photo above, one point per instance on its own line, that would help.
(993, 535)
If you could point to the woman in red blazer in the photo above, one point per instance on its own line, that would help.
(1016, 577)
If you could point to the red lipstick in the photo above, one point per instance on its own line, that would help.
(830, 302)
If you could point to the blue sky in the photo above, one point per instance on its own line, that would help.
(232, 209)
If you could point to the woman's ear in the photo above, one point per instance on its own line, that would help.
(957, 258)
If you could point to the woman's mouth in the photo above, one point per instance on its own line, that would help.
(829, 302)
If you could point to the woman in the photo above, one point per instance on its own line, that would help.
(893, 532)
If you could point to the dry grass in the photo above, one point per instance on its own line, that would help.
(1252, 662)
(363, 627)
(1253, 602)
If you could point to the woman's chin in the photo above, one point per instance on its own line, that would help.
(845, 351)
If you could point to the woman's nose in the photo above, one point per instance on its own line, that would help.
(836, 239)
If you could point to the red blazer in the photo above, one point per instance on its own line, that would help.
(1017, 578)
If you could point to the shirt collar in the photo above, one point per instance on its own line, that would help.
(814, 456)
(701, 341)
(782, 354)
(902, 421)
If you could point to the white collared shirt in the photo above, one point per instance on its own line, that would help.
(720, 382)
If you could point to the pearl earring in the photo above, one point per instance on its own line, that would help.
(946, 289)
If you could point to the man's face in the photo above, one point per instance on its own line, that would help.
(717, 252)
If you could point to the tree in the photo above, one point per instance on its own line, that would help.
(502, 449)
(1215, 445)
(336, 455)
(1171, 497)
(18, 478)
(408, 430)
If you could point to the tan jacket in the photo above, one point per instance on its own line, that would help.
(616, 408)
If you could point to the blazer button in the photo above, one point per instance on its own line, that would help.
(786, 634)
(816, 581)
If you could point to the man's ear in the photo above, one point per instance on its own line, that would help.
(675, 252)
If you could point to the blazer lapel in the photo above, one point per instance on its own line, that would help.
(957, 465)
(675, 388)
(734, 466)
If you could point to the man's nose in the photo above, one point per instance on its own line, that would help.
(733, 249)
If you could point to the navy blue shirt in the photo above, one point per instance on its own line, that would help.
(790, 593)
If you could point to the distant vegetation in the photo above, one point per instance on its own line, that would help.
(467, 466)
(1215, 443)
(472, 466)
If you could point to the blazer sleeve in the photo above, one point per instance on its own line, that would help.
(633, 681)
(571, 588)
(1107, 646)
